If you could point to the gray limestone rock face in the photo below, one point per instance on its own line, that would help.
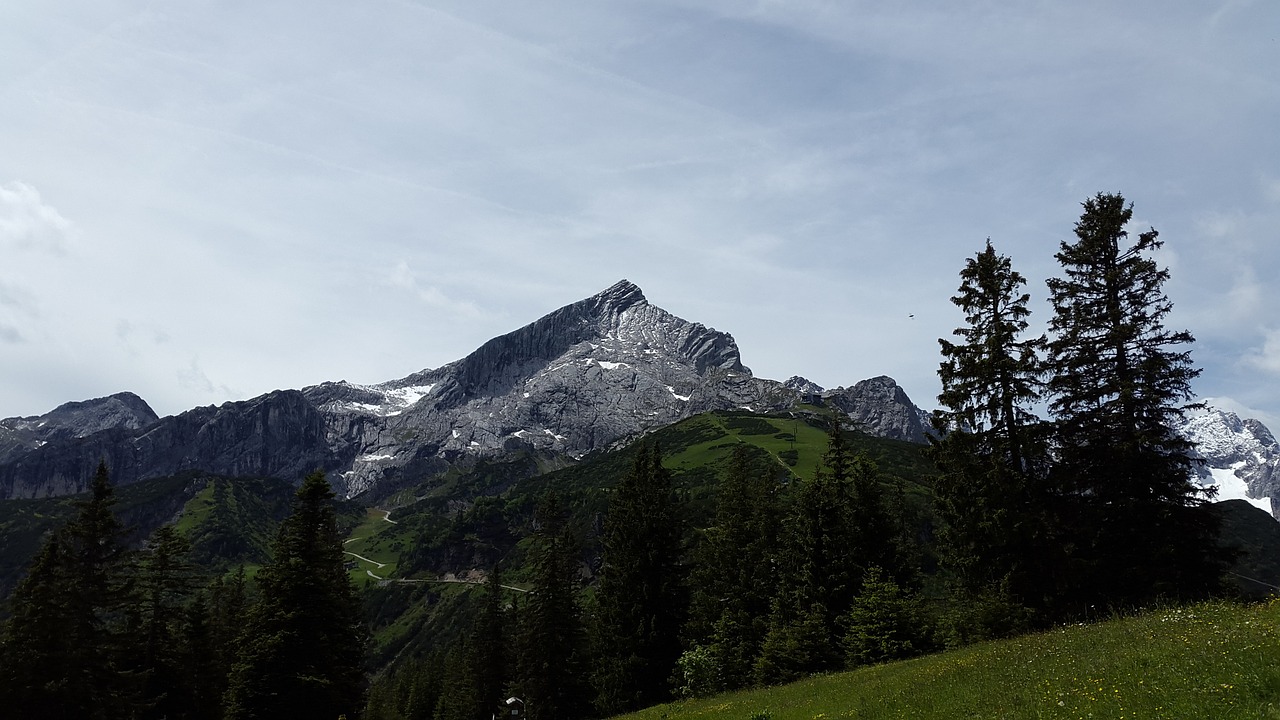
(881, 408)
(72, 420)
(1244, 448)
(587, 377)
(276, 435)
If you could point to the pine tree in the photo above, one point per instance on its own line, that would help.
(550, 663)
(1119, 381)
(992, 454)
(411, 691)
(822, 557)
(990, 380)
(876, 532)
(735, 574)
(303, 645)
(458, 691)
(488, 659)
(883, 623)
(64, 649)
(475, 673)
(165, 584)
(640, 596)
(203, 673)
(228, 604)
(424, 685)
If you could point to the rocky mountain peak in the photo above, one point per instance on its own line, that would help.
(583, 378)
(802, 385)
(1241, 457)
(881, 407)
(74, 420)
(618, 297)
(90, 416)
(619, 317)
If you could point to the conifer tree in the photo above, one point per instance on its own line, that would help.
(489, 656)
(822, 556)
(991, 378)
(228, 603)
(1119, 381)
(164, 585)
(883, 623)
(424, 684)
(303, 646)
(551, 664)
(640, 596)
(411, 691)
(64, 647)
(735, 573)
(876, 532)
(458, 691)
(991, 454)
(475, 673)
(203, 673)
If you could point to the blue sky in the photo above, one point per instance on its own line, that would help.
(204, 201)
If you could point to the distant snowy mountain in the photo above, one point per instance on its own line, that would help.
(1241, 457)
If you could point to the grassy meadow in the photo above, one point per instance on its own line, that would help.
(1216, 660)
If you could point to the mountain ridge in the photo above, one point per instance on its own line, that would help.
(582, 378)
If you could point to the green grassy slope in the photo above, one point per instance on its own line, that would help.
(1213, 660)
(233, 521)
(698, 450)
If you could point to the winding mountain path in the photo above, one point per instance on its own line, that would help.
(410, 581)
(361, 557)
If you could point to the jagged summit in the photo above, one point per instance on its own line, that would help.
(1242, 457)
(621, 295)
(616, 322)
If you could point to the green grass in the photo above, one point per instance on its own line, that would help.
(773, 435)
(1215, 660)
(378, 540)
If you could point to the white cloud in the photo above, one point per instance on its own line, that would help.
(1266, 357)
(193, 377)
(1245, 297)
(27, 222)
(18, 308)
(403, 277)
(15, 298)
(1221, 226)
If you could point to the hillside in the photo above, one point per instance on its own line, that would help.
(143, 507)
(461, 525)
(1205, 661)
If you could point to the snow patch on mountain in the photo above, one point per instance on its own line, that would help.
(1241, 457)
(1232, 487)
(383, 400)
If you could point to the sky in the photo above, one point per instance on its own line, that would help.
(205, 201)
